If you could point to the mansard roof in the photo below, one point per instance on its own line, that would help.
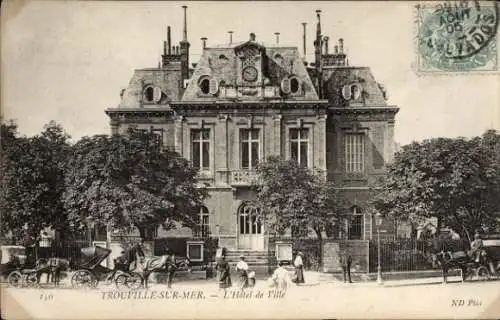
(166, 79)
(339, 82)
(222, 64)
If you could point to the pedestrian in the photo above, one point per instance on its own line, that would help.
(345, 260)
(299, 268)
(242, 269)
(223, 273)
(45, 245)
(171, 267)
(281, 278)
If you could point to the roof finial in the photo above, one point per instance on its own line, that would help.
(230, 36)
(252, 36)
(277, 34)
(204, 40)
(325, 39)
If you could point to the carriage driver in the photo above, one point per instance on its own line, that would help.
(476, 247)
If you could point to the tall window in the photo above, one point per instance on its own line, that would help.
(158, 133)
(249, 221)
(203, 229)
(299, 146)
(354, 152)
(200, 151)
(249, 148)
(356, 225)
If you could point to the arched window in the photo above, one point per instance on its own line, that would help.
(203, 229)
(248, 220)
(356, 224)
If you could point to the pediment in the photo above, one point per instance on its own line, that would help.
(249, 48)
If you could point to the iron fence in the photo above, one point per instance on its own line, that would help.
(410, 254)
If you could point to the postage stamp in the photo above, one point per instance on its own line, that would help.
(456, 37)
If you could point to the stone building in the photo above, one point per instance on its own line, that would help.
(245, 101)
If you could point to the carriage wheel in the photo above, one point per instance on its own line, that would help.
(483, 273)
(131, 281)
(135, 281)
(15, 279)
(31, 280)
(121, 281)
(83, 279)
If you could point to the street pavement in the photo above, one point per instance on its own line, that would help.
(318, 298)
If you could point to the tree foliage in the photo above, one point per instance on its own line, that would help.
(32, 179)
(128, 181)
(293, 197)
(455, 180)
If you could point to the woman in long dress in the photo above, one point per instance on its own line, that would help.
(242, 269)
(224, 275)
(299, 268)
(281, 277)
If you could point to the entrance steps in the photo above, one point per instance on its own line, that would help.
(252, 258)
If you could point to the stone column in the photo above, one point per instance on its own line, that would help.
(114, 127)
(178, 134)
(321, 141)
(389, 142)
(277, 135)
(221, 149)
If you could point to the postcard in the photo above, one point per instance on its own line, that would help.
(250, 159)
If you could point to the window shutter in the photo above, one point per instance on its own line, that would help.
(157, 94)
(346, 92)
(285, 86)
(214, 86)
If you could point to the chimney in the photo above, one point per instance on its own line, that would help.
(204, 40)
(165, 46)
(336, 48)
(184, 29)
(317, 55)
(341, 45)
(169, 40)
(277, 34)
(230, 37)
(252, 36)
(325, 39)
(183, 50)
(304, 38)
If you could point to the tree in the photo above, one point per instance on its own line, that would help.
(128, 181)
(32, 179)
(455, 180)
(290, 196)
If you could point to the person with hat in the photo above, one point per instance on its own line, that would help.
(223, 270)
(280, 278)
(242, 269)
(476, 247)
(299, 268)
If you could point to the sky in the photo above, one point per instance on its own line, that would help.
(68, 60)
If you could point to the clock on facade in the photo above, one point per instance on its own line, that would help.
(250, 74)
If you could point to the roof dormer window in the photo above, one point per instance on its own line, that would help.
(294, 85)
(149, 94)
(204, 84)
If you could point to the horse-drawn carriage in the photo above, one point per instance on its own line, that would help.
(14, 267)
(483, 263)
(90, 271)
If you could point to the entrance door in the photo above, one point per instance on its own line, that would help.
(251, 231)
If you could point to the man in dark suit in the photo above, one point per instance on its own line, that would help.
(345, 260)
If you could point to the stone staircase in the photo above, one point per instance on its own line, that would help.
(257, 261)
(252, 258)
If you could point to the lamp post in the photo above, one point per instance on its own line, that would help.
(378, 222)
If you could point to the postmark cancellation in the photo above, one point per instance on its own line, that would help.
(456, 37)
